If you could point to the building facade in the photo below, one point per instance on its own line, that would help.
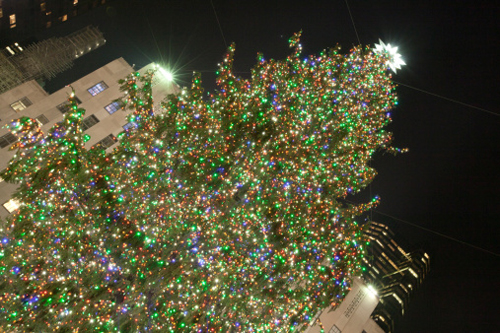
(379, 298)
(22, 19)
(395, 273)
(96, 93)
(353, 315)
(44, 60)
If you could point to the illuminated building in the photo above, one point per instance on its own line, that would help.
(352, 315)
(44, 60)
(22, 19)
(96, 93)
(378, 299)
(395, 273)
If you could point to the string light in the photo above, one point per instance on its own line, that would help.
(219, 213)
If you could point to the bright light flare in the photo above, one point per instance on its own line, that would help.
(166, 74)
(394, 58)
(372, 290)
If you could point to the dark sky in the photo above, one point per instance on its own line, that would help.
(449, 181)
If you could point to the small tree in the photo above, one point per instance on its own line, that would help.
(221, 213)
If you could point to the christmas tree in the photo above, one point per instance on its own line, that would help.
(219, 213)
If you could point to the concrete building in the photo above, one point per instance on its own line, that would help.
(103, 121)
(353, 315)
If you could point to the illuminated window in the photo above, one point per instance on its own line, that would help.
(64, 18)
(65, 106)
(89, 122)
(129, 125)
(12, 19)
(7, 140)
(49, 24)
(98, 88)
(21, 104)
(113, 107)
(75, 2)
(42, 119)
(42, 6)
(12, 205)
(10, 50)
(1, 12)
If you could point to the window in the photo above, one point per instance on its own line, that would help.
(12, 19)
(7, 139)
(64, 18)
(1, 12)
(49, 24)
(21, 104)
(12, 205)
(89, 122)
(106, 142)
(98, 88)
(113, 107)
(335, 329)
(65, 106)
(129, 125)
(75, 2)
(42, 119)
(42, 6)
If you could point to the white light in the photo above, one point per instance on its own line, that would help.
(166, 74)
(394, 58)
(12, 205)
(372, 290)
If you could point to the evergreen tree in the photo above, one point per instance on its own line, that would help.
(217, 214)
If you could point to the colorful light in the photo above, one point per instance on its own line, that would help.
(217, 213)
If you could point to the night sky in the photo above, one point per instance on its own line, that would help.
(448, 182)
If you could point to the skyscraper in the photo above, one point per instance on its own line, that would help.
(380, 297)
(395, 273)
(352, 315)
(22, 19)
(43, 60)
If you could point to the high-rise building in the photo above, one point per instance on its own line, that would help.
(22, 19)
(380, 297)
(395, 273)
(353, 315)
(96, 92)
(44, 60)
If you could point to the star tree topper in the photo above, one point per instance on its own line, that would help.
(394, 58)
